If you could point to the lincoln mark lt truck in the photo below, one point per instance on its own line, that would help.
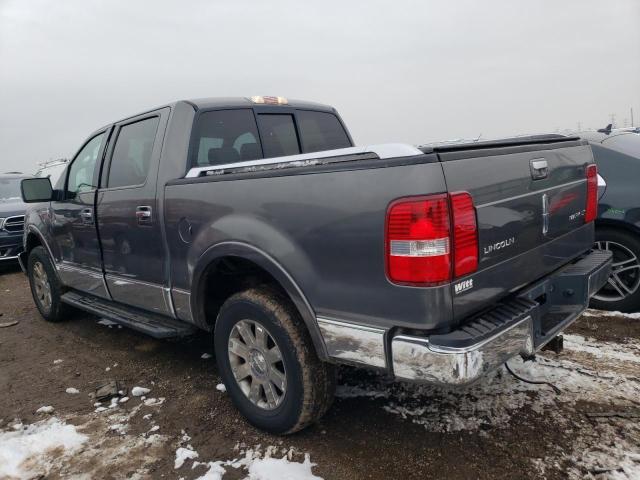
(258, 220)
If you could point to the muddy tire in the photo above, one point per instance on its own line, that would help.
(622, 290)
(45, 287)
(268, 363)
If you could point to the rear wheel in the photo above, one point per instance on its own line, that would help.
(45, 287)
(267, 362)
(622, 290)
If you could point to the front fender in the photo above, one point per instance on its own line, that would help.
(269, 264)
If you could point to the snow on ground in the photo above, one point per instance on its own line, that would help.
(604, 313)
(587, 371)
(56, 447)
(183, 454)
(139, 391)
(274, 463)
(32, 451)
(106, 322)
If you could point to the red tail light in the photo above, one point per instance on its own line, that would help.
(592, 194)
(425, 235)
(465, 234)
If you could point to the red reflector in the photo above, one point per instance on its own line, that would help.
(592, 194)
(417, 240)
(465, 234)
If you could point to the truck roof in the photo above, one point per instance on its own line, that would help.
(230, 102)
(239, 102)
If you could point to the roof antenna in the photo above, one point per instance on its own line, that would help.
(606, 129)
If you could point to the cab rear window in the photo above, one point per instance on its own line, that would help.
(321, 131)
(225, 136)
(238, 135)
(279, 137)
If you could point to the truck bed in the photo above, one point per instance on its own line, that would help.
(322, 217)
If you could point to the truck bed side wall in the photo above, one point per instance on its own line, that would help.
(325, 229)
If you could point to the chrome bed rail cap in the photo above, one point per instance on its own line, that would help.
(387, 150)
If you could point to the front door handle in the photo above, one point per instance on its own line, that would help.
(87, 216)
(143, 214)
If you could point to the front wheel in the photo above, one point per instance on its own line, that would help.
(45, 287)
(622, 290)
(268, 364)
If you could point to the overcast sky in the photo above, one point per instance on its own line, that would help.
(398, 71)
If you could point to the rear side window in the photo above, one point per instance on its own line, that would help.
(225, 136)
(279, 136)
(131, 157)
(321, 131)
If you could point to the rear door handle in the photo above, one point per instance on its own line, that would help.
(143, 214)
(87, 216)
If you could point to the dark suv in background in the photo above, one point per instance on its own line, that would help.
(11, 216)
(617, 154)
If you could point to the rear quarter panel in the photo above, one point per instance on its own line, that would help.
(324, 228)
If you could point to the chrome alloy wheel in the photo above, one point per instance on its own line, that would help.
(42, 285)
(257, 364)
(624, 279)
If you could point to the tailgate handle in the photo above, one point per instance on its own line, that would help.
(539, 168)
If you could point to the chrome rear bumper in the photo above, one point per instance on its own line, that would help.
(415, 359)
(537, 315)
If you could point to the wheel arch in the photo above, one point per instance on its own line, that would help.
(34, 238)
(264, 268)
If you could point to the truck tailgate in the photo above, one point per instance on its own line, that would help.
(530, 200)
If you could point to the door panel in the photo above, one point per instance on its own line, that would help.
(130, 231)
(73, 225)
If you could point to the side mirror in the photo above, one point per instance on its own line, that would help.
(35, 190)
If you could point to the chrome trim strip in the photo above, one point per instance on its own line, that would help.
(168, 301)
(537, 192)
(137, 293)
(66, 266)
(2, 259)
(182, 304)
(353, 343)
(390, 150)
(83, 279)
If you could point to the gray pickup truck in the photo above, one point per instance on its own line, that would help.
(257, 219)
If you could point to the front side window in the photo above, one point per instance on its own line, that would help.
(225, 136)
(131, 157)
(81, 178)
(279, 136)
(321, 131)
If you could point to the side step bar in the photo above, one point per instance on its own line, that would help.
(154, 325)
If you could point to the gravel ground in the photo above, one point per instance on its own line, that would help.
(376, 429)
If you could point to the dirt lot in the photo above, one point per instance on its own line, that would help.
(501, 428)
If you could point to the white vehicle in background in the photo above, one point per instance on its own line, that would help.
(52, 169)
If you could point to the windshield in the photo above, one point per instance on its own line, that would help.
(10, 189)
